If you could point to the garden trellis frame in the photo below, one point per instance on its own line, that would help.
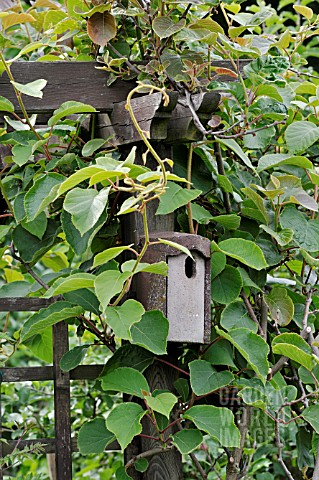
(171, 125)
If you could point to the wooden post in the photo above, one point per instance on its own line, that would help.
(63, 452)
(166, 466)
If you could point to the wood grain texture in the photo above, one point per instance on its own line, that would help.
(62, 412)
(79, 81)
(41, 374)
(25, 304)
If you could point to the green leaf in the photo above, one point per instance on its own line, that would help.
(217, 422)
(205, 378)
(15, 289)
(37, 226)
(94, 437)
(69, 108)
(282, 238)
(151, 332)
(46, 317)
(233, 145)
(182, 388)
(126, 380)
(121, 318)
(277, 159)
(218, 263)
(306, 232)
(29, 246)
(252, 347)
(254, 397)
(220, 353)
(175, 197)
(141, 465)
(165, 27)
(311, 415)
(85, 298)
(304, 11)
(186, 441)
(176, 245)
(22, 154)
(235, 315)
(73, 358)
(128, 415)
(300, 136)
(78, 243)
(245, 251)
(6, 105)
(159, 268)
(161, 403)
(258, 202)
(41, 345)
(230, 222)
(108, 284)
(227, 285)
(41, 194)
(92, 145)
(109, 254)
(129, 356)
(280, 305)
(291, 345)
(200, 214)
(68, 284)
(86, 206)
(32, 89)
(121, 474)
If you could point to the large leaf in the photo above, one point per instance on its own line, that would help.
(217, 422)
(121, 318)
(300, 136)
(205, 378)
(6, 105)
(126, 380)
(32, 248)
(73, 358)
(37, 226)
(244, 251)
(108, 284)
(101, 28)
(151, 332)
(129, 356)
(291, 345)
(280, 305)
(46, 317)
(41, 194)
(311, 415)
(94, 437)
(235, 147)
(258, 201)
(109, 254)
(68, 284)
(276, 159)
(186, 441)
(86, 206)
(252, 347)
(227, 285)
(175, 197)
(127, 415)
(78, 243)
(161, 402)
(41, 345)
(165, 27)
(69, 108)
(306, 232)
(235, 315)
(32, 89)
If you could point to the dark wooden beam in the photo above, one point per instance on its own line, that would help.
(25, 304)
(79, 81)
(29, 374)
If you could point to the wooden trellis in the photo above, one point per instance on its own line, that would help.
(170, 125)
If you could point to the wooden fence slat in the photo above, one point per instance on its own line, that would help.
(62, 412)
(28, 304)
(83, 372)
(84, 84)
